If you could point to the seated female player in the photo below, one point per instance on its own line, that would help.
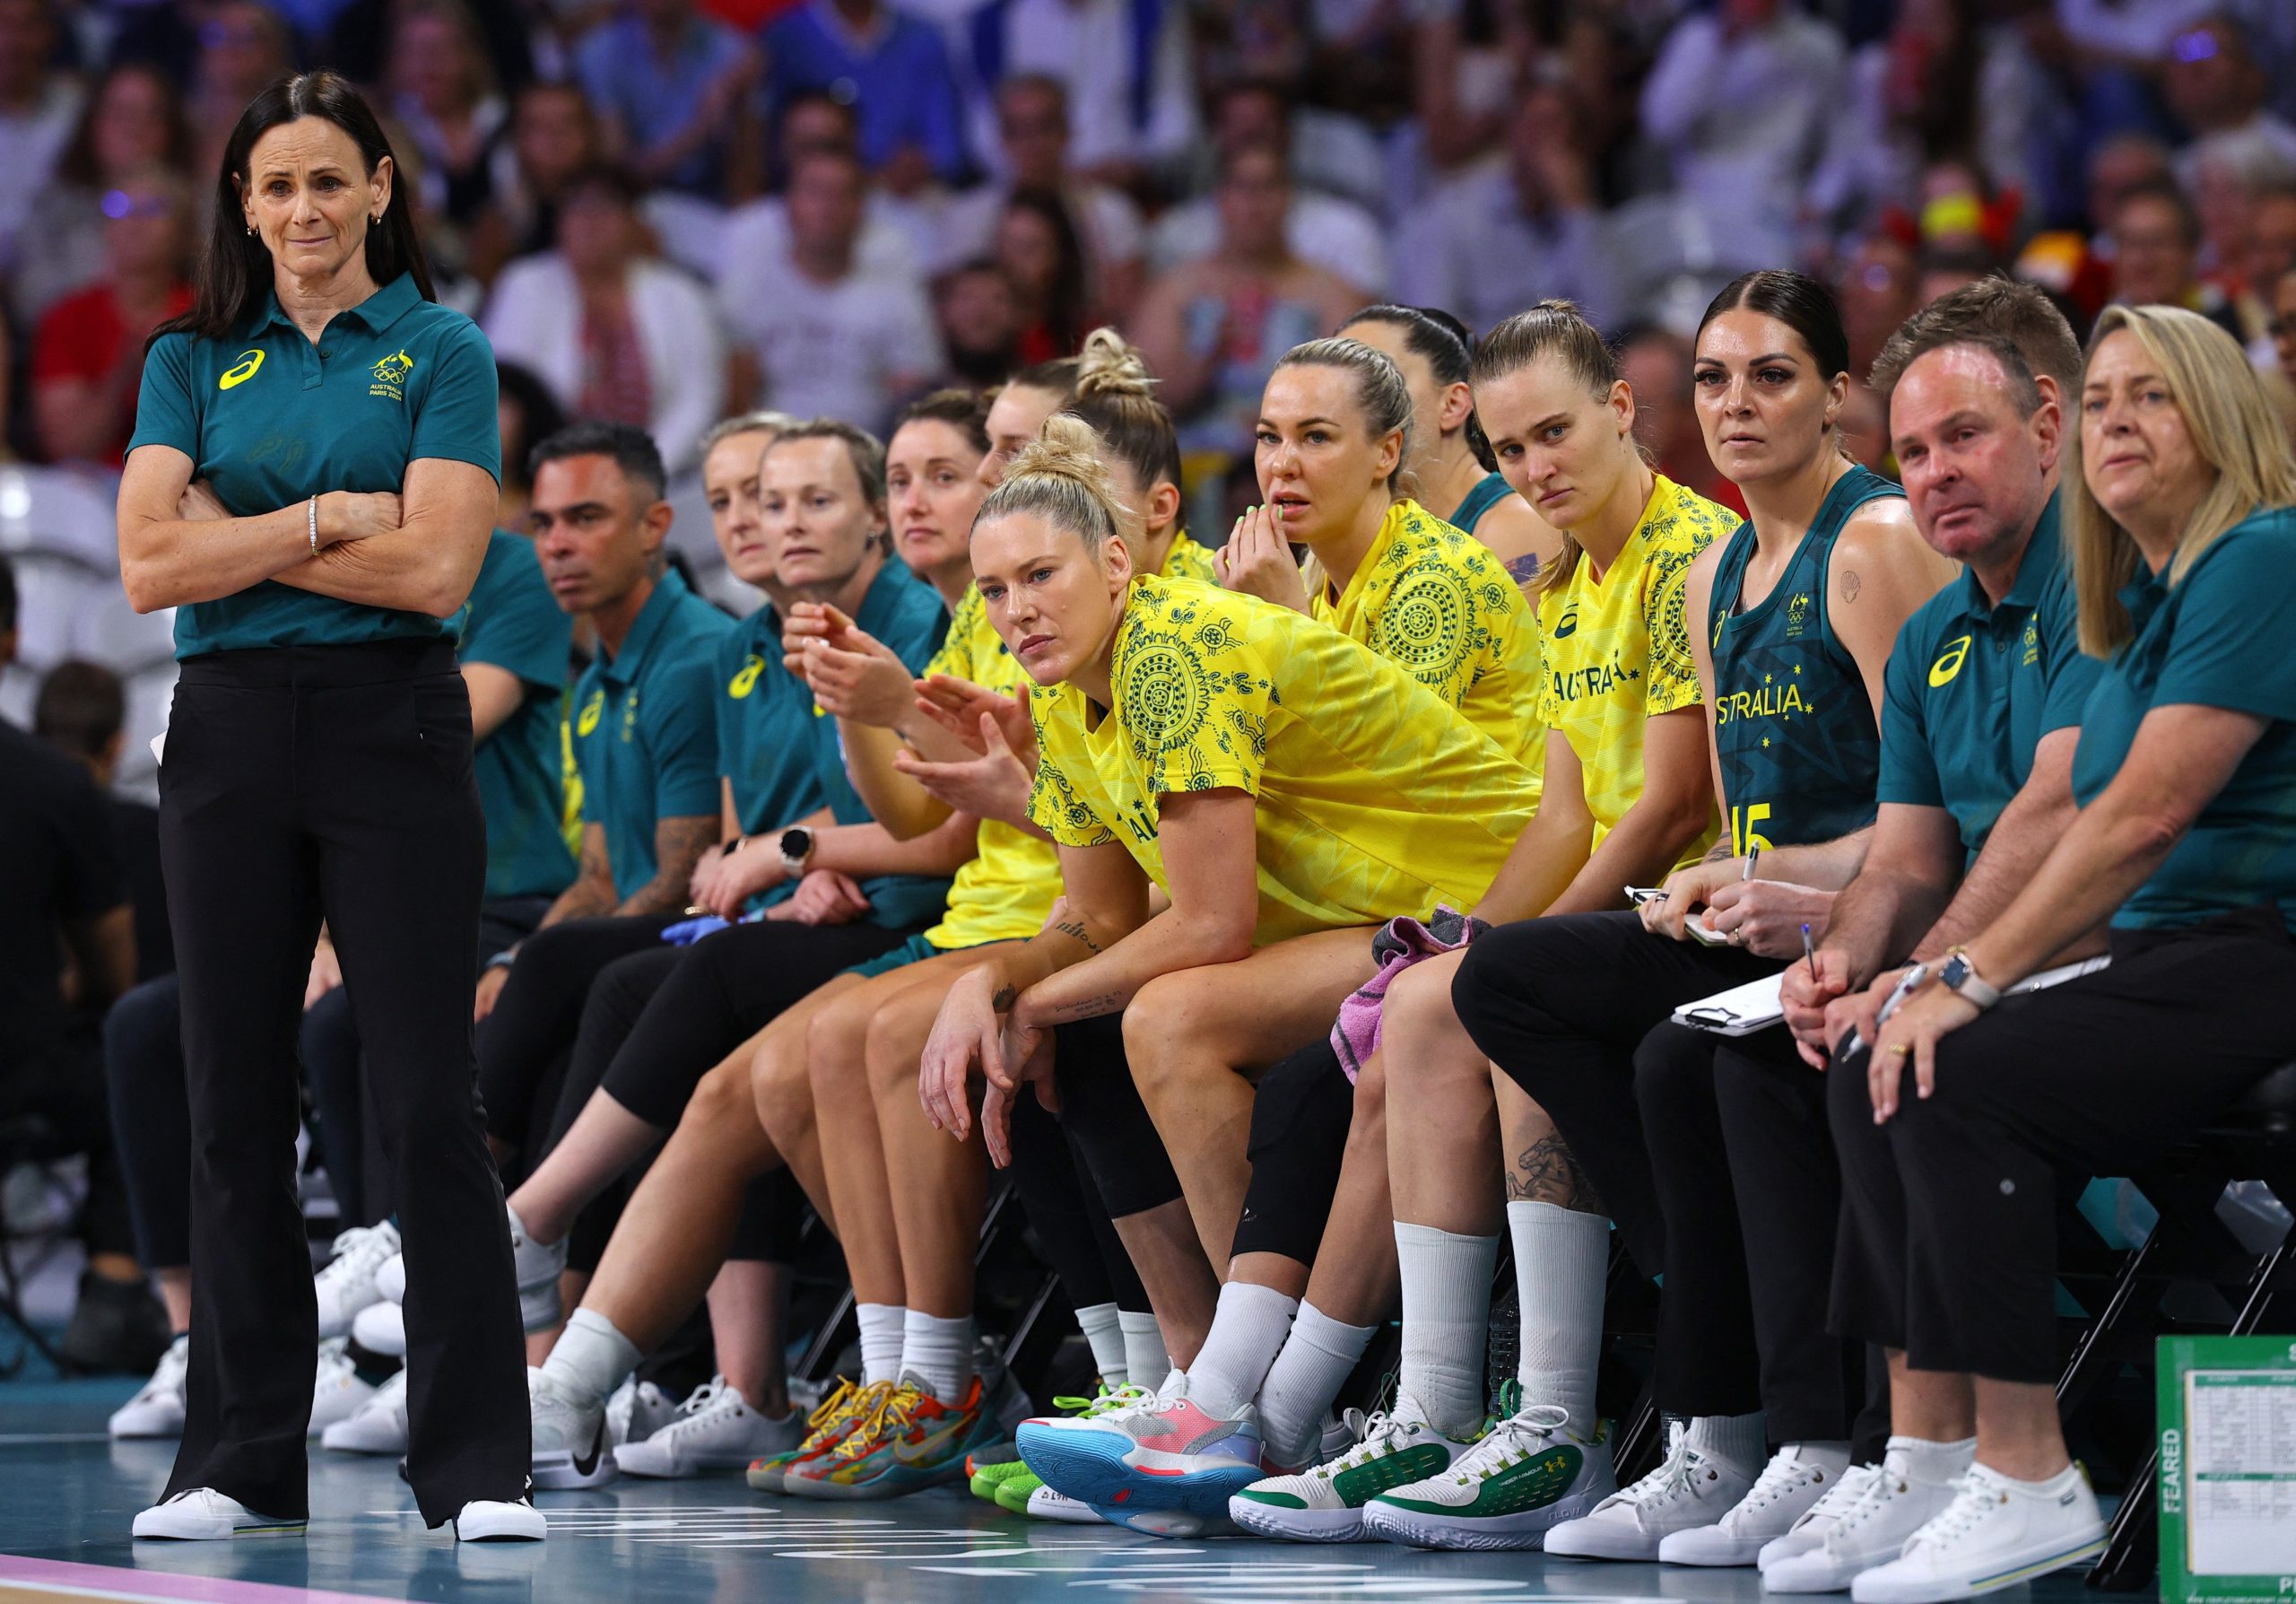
(1185, 733)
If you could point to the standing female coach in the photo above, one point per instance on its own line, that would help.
(311, 481)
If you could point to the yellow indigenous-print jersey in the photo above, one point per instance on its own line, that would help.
(1005, 892)
(1618, 652)
(1374, 797)
(1435, 602)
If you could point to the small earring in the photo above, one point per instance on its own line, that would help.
(250, 228)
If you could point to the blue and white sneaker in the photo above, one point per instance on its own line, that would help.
(1167, 1454)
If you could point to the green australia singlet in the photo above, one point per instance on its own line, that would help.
(1489, 490)
(1799, 750)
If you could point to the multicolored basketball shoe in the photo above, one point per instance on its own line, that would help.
(989, 1481)
(838, 1413)
(1527, 1473)
(909, 1441)
(1166, 1454)
(1324, 1503)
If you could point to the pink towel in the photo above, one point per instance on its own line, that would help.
(1400, 944)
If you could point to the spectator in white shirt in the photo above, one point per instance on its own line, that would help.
(1336, 235)
(893, 231)
(1741, 97)
(617, 335)
(829, 337)
(40, 108)
(1504, 237)
(1033, 138)
(1123, 63)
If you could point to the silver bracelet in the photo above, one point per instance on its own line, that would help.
(314, 511)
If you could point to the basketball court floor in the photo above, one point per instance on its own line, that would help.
(67, 1494)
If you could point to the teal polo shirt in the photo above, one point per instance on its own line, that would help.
(2218, 638)
(1971, 689)
(513, 623)
(783, 754)
(270, 419)
(644, 738)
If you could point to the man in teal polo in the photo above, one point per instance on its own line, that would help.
(1983, 696)
(644, 744)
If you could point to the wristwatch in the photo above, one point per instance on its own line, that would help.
(1959, 977)
(797, 849)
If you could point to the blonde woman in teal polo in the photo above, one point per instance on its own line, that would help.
(311, 485)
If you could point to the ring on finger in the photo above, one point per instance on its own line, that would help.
(1900, 1050)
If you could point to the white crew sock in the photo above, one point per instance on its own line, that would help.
(1737, 1440)
(590, 1358)
(1248, 1328)
(1446, 1305)
(1936, 1464)
(1561, 1259)
(880, 1342)
(1145, 1361)
(1313, 1366)
(938, 1353)
(1104, 1334)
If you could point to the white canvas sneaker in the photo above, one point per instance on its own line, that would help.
(486, 1521)
(347, 1283)
(157, 1410)
(1688, 1489)
(203, 1514)
(715, 1430)
(1911, 1487)
(1809, 1533)
(339, 1391)
(378, 1427)
(381, 1329)
(1792, 1482)
(1995, 1534)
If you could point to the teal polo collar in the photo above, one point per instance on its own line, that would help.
(378, 312)
(622, 667)
(2039, 566)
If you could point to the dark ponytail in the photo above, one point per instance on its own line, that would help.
(1443, 342)
(235, 270)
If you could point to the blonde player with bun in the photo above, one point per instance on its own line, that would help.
(1287, 787)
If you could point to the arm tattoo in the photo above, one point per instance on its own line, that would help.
(1089, 1007)
(1005, 997)
(1545, 1172)
(678, 845)
(1851, 585)
(1076, 930)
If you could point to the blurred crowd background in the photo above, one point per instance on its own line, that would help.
(665, 211)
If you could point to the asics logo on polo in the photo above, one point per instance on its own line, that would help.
(1942, 671)
(249, 362)
(746, 681)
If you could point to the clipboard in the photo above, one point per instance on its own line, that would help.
(1755, 1006)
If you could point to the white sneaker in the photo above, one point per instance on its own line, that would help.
(390, 1280)
(539, 1265)
(205, 1515)
(1325, 1503)
(347, 1283)
(715, 1430)
(1688, 1489)
(637, 1410)
(157, 1411)
(381, 1329)
(1045, 1504)
(1912, 1485)
(378, 1427)
(1808, 1534)
(484, 1520)
(1995, 1534)
(339, 1392)
(1510, 1490)
(570, 1438)
(1794, 1480)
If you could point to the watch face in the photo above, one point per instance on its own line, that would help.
(1956, 971)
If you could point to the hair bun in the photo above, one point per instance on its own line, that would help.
(1067, 448)
(1110, 365)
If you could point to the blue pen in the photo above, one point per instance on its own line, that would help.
(1809, 953)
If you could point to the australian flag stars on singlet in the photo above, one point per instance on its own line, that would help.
(1793, 727)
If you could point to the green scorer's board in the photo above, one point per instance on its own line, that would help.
(2228, 1469)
